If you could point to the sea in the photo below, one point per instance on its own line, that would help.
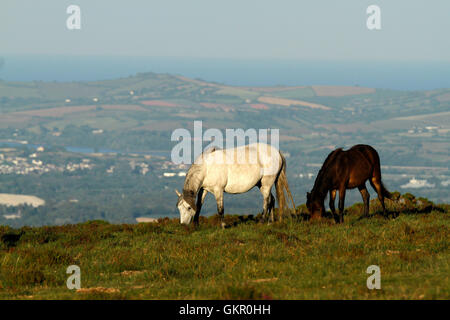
(397, 75)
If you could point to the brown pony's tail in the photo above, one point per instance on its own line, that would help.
(385, 192)
(281, 184)
(377, 176)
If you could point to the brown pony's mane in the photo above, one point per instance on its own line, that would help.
(328, 161)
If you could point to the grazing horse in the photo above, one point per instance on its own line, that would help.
(234, 170)
(347, 170)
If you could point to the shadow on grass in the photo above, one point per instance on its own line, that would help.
(11, 239)
(389, 215)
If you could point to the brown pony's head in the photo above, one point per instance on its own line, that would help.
(315, 207)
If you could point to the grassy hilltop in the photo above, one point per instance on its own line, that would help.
(295, 259)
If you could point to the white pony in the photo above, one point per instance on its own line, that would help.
(234, 170)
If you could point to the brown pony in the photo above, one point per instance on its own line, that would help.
(347, 170)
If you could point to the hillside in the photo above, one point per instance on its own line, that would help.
(106, 144)
(295, 259)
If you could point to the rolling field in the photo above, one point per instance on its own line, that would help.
(294, 259)
(17, 199)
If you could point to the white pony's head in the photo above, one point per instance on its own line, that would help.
(187, 211)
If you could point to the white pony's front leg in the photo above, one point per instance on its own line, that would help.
(200, 200)
(218, 194)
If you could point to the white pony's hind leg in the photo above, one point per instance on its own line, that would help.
(271, 206)
(268, 201)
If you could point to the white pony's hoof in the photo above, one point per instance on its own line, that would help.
(223, 225)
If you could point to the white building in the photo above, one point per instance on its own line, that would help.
(169, 174)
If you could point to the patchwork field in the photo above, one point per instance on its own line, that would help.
(340, 91)
(289, 102)
(18, 199)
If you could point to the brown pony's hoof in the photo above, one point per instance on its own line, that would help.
(339, 220)
(363, 216)
(386, 215)
(336, 218)
(316, 217)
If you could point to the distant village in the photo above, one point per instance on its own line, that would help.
(23, 166)
(10, 164)
(166, 169)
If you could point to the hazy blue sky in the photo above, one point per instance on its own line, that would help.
(283, 29)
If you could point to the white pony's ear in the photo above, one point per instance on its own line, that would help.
(178, 193)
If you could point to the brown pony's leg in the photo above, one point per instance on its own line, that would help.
(332, 199)
(376, 184)
(341, 203)
(366, 197)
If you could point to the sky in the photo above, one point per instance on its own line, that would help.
(412, 30)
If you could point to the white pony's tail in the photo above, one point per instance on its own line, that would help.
(281, 184)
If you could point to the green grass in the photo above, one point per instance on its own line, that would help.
(248, 260)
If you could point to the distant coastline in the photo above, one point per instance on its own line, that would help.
(385, 75)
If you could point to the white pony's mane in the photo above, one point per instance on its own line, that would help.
(193, 176)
